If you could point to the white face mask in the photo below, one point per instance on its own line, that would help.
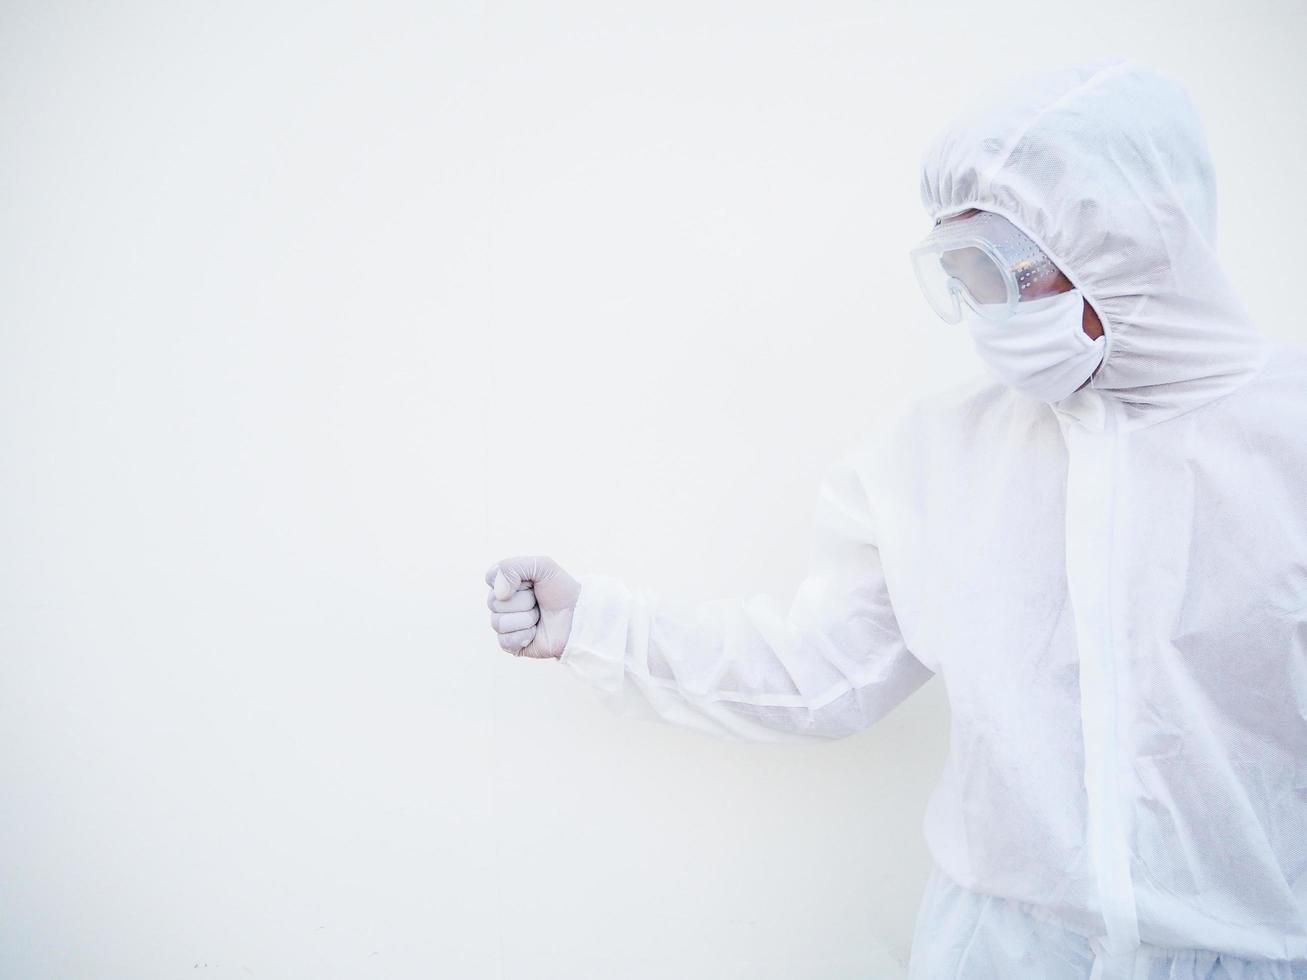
(1042, 351)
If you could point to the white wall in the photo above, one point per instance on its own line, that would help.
(310, 312)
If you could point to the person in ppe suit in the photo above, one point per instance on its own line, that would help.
(1101, 546)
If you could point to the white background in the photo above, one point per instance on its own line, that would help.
(310, 312)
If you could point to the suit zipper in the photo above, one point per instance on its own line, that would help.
(1091, 544)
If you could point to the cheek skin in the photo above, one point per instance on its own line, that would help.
(1093, 328)
(1091, 324)
(1089, 321)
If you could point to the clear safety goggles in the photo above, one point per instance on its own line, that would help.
(984, 261)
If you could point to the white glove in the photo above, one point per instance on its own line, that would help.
(531, 601)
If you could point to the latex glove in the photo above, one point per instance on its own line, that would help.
(531, 602)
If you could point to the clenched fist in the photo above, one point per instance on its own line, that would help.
(531, 601)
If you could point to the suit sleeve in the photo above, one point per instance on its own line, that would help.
(830, 665)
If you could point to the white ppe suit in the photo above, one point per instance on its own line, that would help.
(1113, 587)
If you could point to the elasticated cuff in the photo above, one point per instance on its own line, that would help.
(596, 647)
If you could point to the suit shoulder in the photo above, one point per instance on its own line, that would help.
(1280, 386)
(958, 413)
(1287, 364)
(935, 420)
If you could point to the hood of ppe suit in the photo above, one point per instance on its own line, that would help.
(1106, 167)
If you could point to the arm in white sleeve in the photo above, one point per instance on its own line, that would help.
(746, 669)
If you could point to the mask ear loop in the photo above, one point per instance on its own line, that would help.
(1107, 339)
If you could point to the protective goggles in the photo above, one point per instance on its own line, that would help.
(984, 261)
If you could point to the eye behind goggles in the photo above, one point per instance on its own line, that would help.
(983, 261)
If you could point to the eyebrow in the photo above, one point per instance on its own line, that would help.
(961, 214)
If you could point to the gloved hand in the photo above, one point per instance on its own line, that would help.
(531, 601)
